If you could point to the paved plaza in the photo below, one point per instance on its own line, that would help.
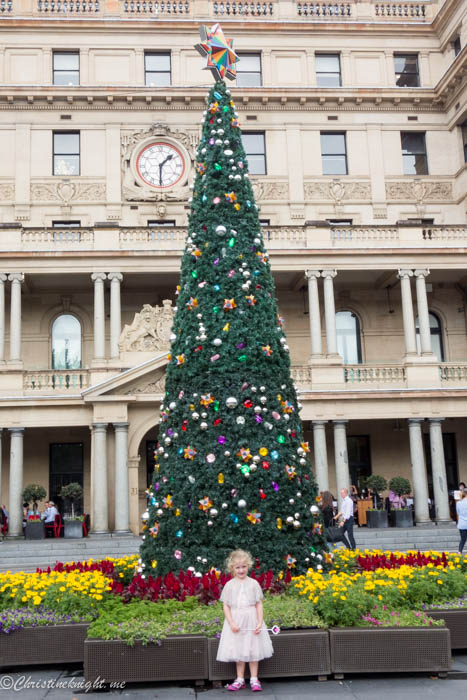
(61, 683)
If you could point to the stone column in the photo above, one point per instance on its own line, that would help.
(330, 311)
(3, 279)
(1, 493)
(419, 480)
(341, 458)
(390, 69)
(16, 280)
(100, 508)
(321, 455)
(15, 521)
(122, 500)
(438, 467)
(314, 313)
(115, 313)
(99, 315)
(407, 313)
(423, 314)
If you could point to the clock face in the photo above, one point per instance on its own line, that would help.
(160, 165)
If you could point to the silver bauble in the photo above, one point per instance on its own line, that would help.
(231, 402)
(242, 503)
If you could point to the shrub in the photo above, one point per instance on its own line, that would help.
(72, 492)
(33, 492)
(400, 485)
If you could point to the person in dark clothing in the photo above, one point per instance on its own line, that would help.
(327, 508)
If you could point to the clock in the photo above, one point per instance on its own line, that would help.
(160, 164)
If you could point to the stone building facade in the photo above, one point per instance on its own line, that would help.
(355, 124)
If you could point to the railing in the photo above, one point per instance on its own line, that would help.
(6, 6)
(325, 9)
(404, 10)
(365, 234)
(238, 9)
(71, 236)
(453, 373)
(141, 7)
(56, 381)
(445, 233)
(285, 233)
(357, 374)
(301, 376)
(172, 235)
(68, 6)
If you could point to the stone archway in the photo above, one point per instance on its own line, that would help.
(143, 428)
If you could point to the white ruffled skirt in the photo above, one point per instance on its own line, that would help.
(244, 645)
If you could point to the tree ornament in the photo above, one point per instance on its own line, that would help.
(242, 503)
(231, 402)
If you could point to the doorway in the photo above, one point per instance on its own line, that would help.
(65, 467)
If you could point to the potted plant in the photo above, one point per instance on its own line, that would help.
(376, 517)
(401, 516)
(34, 529)
(74, 525)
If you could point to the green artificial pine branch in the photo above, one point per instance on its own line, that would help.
(231, 470)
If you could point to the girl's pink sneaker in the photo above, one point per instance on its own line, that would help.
(255, 686)
(237, 685)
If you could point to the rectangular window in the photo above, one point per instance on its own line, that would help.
(464, 140)
(66, 67)
(157, 69)
(255, 149)
(457, 46)
(328, 70)
(249, 70)
(414, 153)
(161, 224)
(63, 232)
(340, 222)
(333, 153)
(406, 70)
(66, 153)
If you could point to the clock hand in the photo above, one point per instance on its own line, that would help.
(161, 165)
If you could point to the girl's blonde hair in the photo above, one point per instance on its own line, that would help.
(238, 554)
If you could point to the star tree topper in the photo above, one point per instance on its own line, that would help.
(221, 58)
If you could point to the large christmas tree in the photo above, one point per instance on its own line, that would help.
(232, 469)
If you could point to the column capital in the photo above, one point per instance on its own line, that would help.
(421, 273)
(16, 277)
(115, 276)
(405, 273)
(389, 53)
(3, 277)
(121, 426)
(100, 427)
(328, 273)
(436, 420)
(319, 423)
(96, 276)
(309, 274)
(16, 430)
(415, 421)
(340, 422)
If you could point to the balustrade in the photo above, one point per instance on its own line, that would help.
(445, 233)
(68, 6)
(253, 9)
(405, 10)
(365, 233)
(56, 381)
(141, 7)
(453, 373)
(6, 6)
(325, 9)
(72, 236)
(358, 374)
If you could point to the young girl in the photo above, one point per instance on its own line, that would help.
(244, 635)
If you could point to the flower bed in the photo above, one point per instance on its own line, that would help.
(52, 644)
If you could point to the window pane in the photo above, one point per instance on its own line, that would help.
(64, 78)
(407, 80)
(248, 79)
(328, 79)
(66, 143)
(332, 144)
(406, 63)
(249, 62)
(327, 63)
(334, 165)
(66, 165)
(253, 143)
(157, 79)
(157, 62)
(66, 61)
(66, 343)
(256, 164)
(415, 165)
(348, 337)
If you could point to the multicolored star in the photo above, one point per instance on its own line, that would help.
(221, 58)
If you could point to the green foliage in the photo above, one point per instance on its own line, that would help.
(72, 492)
(33, 492)
(289, 612)
(400, 485)
(231, 457)
(376, 482)
(381, 616)
(344, 609)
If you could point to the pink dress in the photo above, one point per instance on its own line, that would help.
(241, 597)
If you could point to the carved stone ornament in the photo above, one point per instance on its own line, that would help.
(156, 387)
(131, 143)
(7, 192)
(66, 191)
(337, 191)
(419, 191)
(150, 330)
(264, 189)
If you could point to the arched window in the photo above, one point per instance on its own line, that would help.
(66, 342)
(349, 345)
(436, 336)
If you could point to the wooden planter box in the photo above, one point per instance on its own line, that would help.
(390, 650)
(377, 518)
(296, 653)
(181, 658)
(456, 622)
(57, 644)
(34, 530)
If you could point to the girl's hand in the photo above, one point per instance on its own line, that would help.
(258, 628)
(235, 628)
